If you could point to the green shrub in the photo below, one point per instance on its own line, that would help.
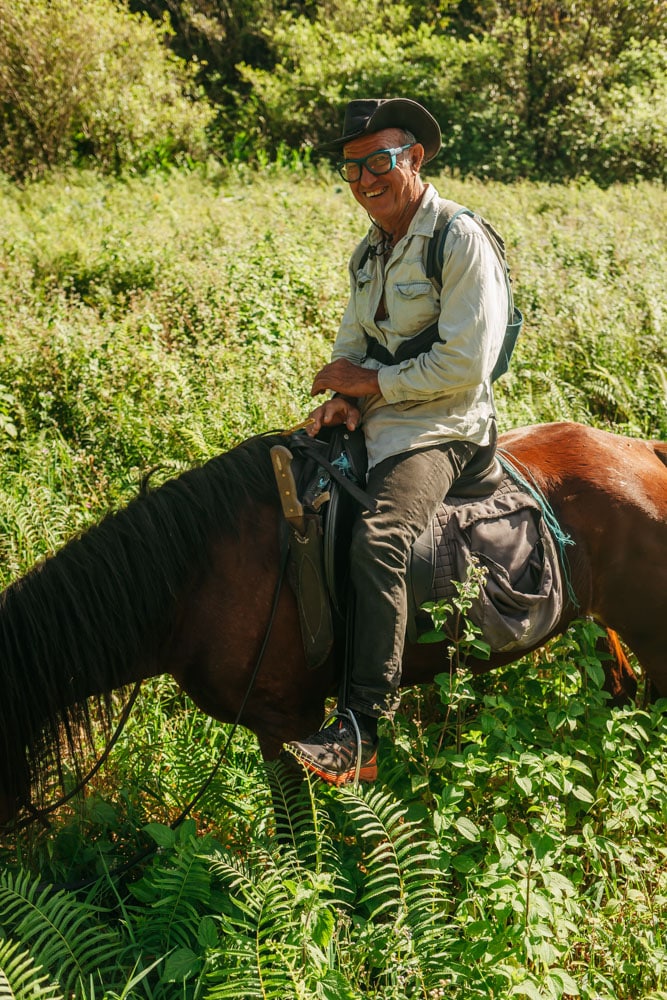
(532, 93)
(90, 81)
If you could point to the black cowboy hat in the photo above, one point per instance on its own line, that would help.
(365, 116)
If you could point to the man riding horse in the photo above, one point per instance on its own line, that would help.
(423, 417)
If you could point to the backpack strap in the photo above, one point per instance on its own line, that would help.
(365, 253)
(435, 255)
(435, 259)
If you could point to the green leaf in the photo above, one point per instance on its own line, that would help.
(163, 835)
(481, 649)
(582, 794)
(563, 982)
(180, 965)
(524, 783)
(526, 989)
(322, 927)
(467, 828)
(431, 637)
(207, 935)
(335, 986)
(463, 863)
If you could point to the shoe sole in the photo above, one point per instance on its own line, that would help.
(368, 772)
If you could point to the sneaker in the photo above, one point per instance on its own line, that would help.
(332, 753)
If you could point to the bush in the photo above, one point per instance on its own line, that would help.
(621, 133)
(90, 81)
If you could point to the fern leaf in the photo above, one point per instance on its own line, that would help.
(299, 821)
(403, 883)
(175, 893)
(262, 954)
(303, 824)
(61, 934)
(21, 978)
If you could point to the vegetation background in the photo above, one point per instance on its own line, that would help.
(172, 272)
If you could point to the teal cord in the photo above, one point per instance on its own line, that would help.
(561, 538)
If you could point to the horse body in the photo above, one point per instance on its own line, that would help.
(610, 494)
(183, 581)
(605, 507)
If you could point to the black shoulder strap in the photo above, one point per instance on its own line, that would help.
(365, 254)
(435, 255)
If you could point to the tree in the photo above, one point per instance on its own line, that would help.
(91, 81)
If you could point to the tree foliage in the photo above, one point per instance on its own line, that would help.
(91, 81)
(534, 89)
(549, 89)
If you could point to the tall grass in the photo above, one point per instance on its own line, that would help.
(157, 321)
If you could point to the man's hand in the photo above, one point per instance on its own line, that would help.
(335, 411)
(344, 377)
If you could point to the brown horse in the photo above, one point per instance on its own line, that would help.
(183, 579)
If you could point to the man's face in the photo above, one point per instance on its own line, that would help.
(385, 197)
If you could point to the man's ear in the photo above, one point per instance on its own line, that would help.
(417, 156)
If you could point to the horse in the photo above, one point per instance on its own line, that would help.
(184, 580)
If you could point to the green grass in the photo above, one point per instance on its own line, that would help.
(156, 322)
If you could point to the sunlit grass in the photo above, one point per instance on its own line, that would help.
(158, 321)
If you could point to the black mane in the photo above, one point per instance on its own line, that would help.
(81, 620)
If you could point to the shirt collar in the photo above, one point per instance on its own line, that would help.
(423, 223)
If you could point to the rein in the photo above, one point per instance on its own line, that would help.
(41, 814)
(284, 553)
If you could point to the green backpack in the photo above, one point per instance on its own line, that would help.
(449, 212)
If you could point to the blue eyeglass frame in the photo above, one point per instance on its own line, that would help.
(363, 162)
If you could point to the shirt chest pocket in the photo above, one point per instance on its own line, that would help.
(413, 305)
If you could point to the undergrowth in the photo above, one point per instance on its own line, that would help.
(514, 844)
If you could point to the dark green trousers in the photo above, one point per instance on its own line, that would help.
(408, 489)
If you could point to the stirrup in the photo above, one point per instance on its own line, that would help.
(347, 713)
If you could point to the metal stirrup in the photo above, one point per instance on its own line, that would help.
(347, 713)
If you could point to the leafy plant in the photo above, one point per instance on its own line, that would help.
(514, 843)
(21, 978)
(61, 935)
(91, 81)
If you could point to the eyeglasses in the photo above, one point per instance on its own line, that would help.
(377, 163)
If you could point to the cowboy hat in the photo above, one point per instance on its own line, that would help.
(365, 116)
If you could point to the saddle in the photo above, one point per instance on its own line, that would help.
(487, 516)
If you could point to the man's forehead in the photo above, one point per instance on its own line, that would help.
(386, 138)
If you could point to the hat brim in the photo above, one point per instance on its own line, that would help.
(400, 113)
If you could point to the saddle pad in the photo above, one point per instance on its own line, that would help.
(523, 596)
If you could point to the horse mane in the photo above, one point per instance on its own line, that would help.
(81, 622)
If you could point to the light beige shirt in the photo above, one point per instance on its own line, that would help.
(445, 393)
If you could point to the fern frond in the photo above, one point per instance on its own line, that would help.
(403, 885)
(379, 823)
(262, 948)
(299, 821)
(62, 934)
(21, 978)
(303, 824)
(175, 892)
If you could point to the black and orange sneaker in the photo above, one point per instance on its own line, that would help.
(331, 753)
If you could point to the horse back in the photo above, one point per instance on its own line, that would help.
(565, 457)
